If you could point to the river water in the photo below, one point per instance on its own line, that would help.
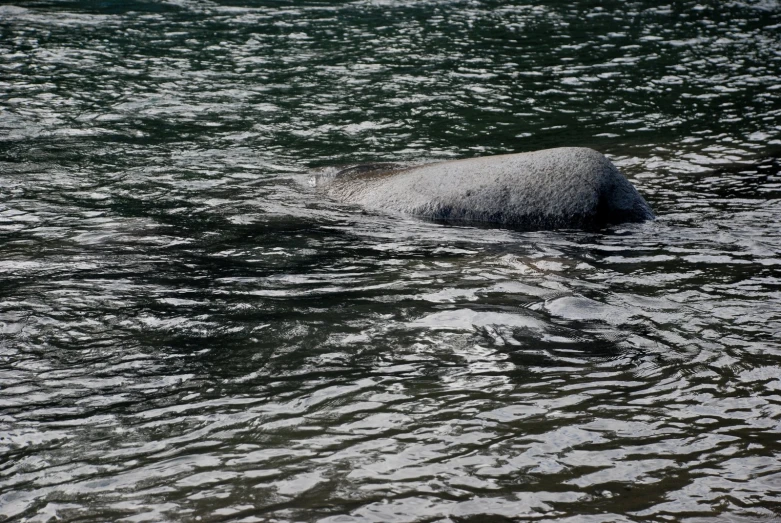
(188, 333)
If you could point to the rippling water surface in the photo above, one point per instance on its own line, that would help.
(187, 333)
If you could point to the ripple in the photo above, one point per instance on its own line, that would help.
(187, 332)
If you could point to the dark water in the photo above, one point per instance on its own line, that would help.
(188, 334)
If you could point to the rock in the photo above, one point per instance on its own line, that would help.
(567, 187)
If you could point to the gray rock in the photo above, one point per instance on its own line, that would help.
(568, 187)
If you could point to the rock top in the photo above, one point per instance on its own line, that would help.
(567, 187)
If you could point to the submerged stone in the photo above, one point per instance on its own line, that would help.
(567, 187)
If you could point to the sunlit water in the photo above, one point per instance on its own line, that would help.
(188, 333)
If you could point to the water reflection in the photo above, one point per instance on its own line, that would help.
(187, 332)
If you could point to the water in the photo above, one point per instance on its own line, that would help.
(190, 334)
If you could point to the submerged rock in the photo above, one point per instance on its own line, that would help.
(568, 187)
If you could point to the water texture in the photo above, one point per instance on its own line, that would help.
(188, 333)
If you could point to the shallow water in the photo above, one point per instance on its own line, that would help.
(187, 333)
